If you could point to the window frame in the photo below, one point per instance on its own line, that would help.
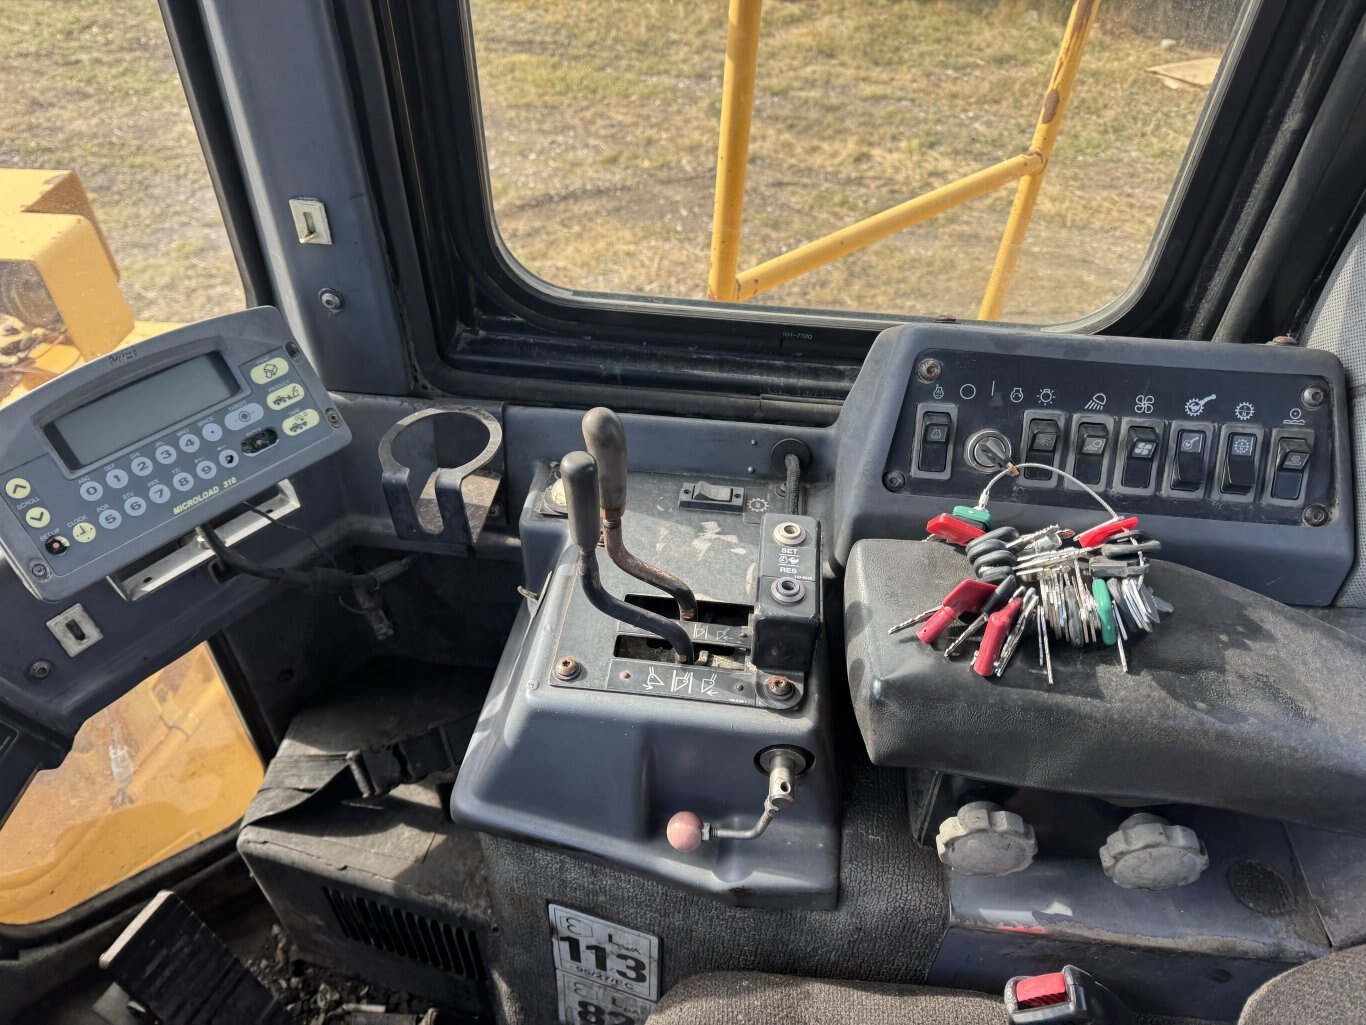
(496, 322)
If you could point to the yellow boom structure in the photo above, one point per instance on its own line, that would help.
(728, 283)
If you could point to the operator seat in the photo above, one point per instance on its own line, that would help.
(1329, 990)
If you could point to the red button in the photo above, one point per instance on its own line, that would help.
(1041, 991)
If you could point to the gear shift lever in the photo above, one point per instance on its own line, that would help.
(605, 437)
(580, 475)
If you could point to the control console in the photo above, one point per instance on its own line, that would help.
(123, 455)
(1236, 455)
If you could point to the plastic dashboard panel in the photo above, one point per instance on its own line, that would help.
(994, 378)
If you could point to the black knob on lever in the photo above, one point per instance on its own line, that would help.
(580, 475)
(606, 440)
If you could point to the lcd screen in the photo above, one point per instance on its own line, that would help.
(141, 410)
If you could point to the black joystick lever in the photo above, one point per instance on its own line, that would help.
(580, 475)
(606, 440)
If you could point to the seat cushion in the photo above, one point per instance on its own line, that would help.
(1329, 990)
(753, 998)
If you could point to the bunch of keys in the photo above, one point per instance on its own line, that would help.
(1083, 589)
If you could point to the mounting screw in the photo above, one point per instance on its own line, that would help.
(495, 511)
(929, 369)
(333, 417)
(39, 670)
(1315, 516)
(778, 686)
(567, 668)
(38, 570)
(331, 299)
(292, 350)
(1313, 397)
(894, 481)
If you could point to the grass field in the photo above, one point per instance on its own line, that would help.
(601, 120)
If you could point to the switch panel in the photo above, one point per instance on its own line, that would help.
(1143, 421)
(1138, 457)
(1044, 441)
(1144, 424)
(931, 453)
(1240, 462)
(1190, 456)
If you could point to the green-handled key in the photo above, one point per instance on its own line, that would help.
(1109, 629)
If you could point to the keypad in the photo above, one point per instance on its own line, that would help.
(132, 494)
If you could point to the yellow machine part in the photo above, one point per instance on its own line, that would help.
(164, 767)
(169, 764)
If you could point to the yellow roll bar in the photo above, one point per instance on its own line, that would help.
(727, 283)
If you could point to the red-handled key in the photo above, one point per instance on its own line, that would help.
(1098, 535)
(994, 637)
(966, 597)
(953, 530)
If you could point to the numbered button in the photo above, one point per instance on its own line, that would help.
(189, 442)
(91, 490)
(165, 455)
(110, 518)
(228, 458)
(18, 489)
(206, 470)
(142, 466)
(37, 517)
(301, 421)
(182, 481)
(211, 432)
(269, 370)
(116, 478)
(159, 493)
(84, 532)
(135, 506)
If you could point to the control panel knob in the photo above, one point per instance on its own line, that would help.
(685, 831)
(987, 451)
(984, 839)
(1149, 853)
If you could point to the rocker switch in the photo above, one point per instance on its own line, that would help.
(1090, 441)
(1240, 464)
(1192, 460)
(1292, 461)
(936, 431)
(1140, 456)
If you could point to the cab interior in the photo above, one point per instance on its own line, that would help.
(591, 644)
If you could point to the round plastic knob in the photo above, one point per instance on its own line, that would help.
(984, 839)
(1149, 853)
(685, 831)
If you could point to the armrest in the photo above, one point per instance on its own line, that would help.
(1235, 701)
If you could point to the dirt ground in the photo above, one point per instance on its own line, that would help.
(601, 123)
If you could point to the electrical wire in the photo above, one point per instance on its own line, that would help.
(1013, 470)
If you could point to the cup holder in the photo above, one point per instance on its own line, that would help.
(438, 473)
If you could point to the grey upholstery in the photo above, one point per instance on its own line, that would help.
(1329, 991)
(758, 999)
